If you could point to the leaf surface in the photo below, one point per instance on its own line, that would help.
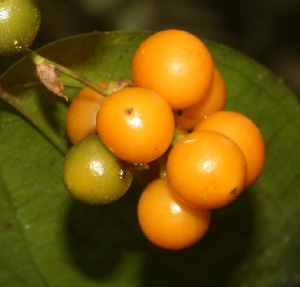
(48, 239)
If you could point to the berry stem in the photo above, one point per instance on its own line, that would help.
(178, 135)
(38, 59)
(30, 115)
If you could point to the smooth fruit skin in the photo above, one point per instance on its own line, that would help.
(242, 130)
(136, 124)
(82, 113)
(93, 175)
(168, 222)
(206, 169)
(175, 64)
(214, 100)
(19, 24)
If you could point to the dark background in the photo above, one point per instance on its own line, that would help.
(266, 30)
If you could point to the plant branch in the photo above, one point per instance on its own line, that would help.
(39, 123)
(38, 59)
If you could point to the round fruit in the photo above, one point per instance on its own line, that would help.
(19, 25)
(82, 113)
(93, 175)
(175, 64)
(206, 169)
(214, 100)
(244, 132)
(167, 221)
(136, 124)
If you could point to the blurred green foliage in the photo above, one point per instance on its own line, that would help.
(265, 30)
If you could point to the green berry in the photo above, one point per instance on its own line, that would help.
(92, 174)
(19, 24)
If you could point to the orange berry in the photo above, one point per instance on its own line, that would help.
(82, 112)
(167, 221)
(175, 64)
(136, 124)
(206, 169)
(245, 133)
(213, 101)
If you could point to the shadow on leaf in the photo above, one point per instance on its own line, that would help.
(213, 260)
(98, 238)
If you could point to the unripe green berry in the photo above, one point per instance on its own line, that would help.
(93, 175)
(19, 24)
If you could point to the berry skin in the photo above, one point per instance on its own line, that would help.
(244, 132)
(19, 24)
(214, 100)
(167, 221)
(93, 175)
(206, 169)
(136, 124)
(82, 113)
(175, 64)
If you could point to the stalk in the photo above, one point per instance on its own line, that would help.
(38, 60)
(30, 115)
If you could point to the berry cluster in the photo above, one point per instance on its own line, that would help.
(171, 119)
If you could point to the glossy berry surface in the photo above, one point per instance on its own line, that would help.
(82, 113)
(19, 24)
(93, 175)
(136, 124)
(168, 222)
(245, 133)
(206, 169)
(213, 101)
(175, 64)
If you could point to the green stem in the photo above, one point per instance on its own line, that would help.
(38, 59)
(30, 115)
(178, 135)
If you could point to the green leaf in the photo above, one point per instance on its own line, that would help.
(48, 239)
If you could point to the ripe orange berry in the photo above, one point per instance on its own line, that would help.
(82, 112)
(175, 64)
(245, 133)
(136, 124)
(213, 101)
(206, 169)
(167, 221)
